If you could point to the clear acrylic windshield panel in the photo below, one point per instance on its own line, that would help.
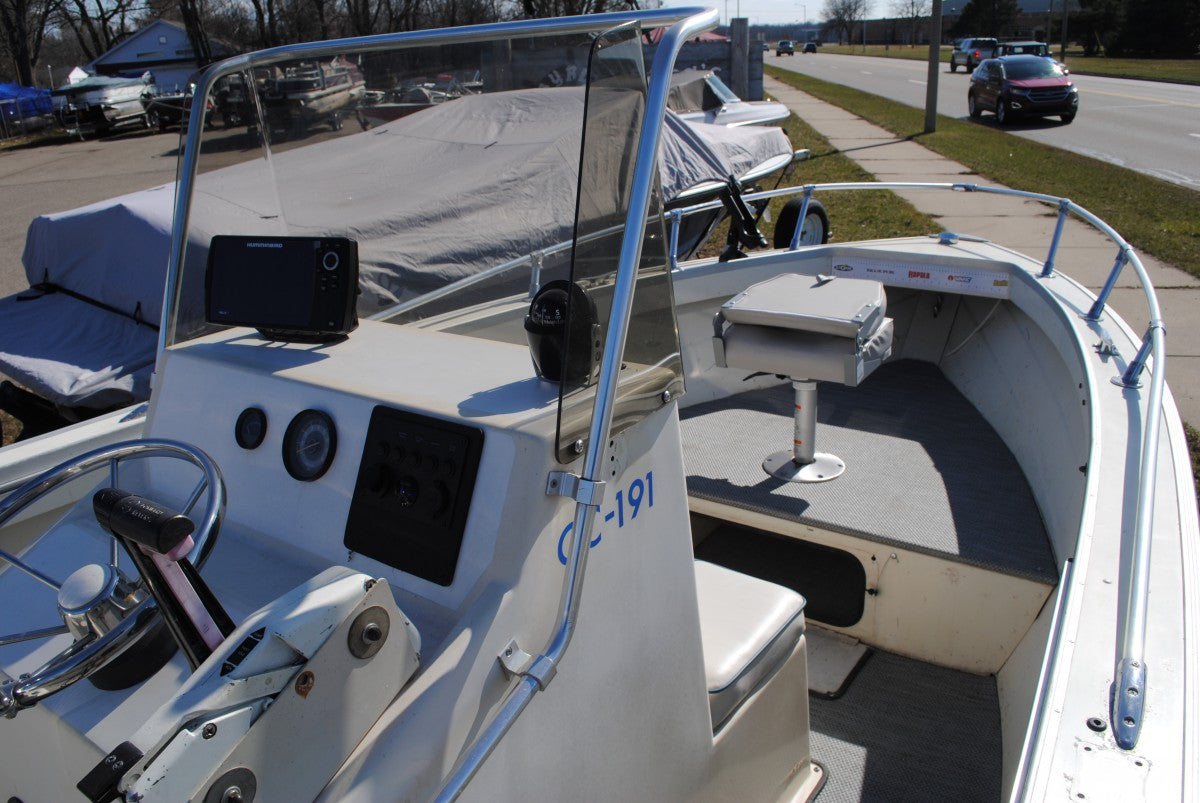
(651, 368)
(456, 168)
(453, 166)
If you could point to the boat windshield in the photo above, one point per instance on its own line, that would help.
(460, 209)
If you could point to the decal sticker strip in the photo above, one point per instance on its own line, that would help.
(967, 281)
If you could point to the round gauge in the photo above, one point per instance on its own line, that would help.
(309, 445)
(251, 428)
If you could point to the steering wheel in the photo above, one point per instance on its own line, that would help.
(104, 611)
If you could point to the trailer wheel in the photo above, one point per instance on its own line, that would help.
(815, 230)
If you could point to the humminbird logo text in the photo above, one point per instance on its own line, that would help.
(264, 245)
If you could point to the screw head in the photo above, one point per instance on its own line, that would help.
(209, 731)
(305, 683)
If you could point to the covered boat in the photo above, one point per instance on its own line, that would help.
(577, 529)
(701, 96)
(433, 233)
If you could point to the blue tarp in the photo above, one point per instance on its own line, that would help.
(18, 101)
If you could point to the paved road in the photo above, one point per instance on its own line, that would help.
(1148, 126)
(55, 178)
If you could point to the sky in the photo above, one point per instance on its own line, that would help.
(776, 12)
(762, 12)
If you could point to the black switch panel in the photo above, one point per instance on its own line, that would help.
(413, 493)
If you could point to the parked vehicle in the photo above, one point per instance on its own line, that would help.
(971, 51)
(1022, 86)
(785, 46)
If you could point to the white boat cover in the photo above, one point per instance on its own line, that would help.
(447, 221)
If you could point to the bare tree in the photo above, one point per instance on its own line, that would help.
(24, 24)
(914, 11)
(96, 24)
(363, 16)
(841, 16)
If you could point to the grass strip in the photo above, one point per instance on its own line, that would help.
(1176, 71)
(867, 215)
(1157, 217)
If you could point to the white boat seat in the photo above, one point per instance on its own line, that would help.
(748, 628)
(810, 329)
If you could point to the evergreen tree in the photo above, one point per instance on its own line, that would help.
(988, 18)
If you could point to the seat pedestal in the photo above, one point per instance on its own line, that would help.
(803, 463)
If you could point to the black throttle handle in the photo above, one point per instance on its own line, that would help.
(146, 523)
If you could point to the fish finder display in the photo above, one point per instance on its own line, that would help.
(289, 288)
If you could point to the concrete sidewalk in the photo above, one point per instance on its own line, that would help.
(1027, 226)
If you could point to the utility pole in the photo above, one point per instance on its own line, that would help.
(935, 67)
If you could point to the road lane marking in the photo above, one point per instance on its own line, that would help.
(866, 72)
(1194, 135)
(915, 81)
(1143, 98)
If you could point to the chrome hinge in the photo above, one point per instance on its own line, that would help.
(563, 483)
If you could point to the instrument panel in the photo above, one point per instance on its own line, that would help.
(413, 492)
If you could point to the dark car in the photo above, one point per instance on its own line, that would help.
(810, 47)
(1022, 86)
(785, 46)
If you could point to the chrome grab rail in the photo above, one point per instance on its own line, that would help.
(544, 666)
(1129, 675)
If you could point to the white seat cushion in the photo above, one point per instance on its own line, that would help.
(748, 628)
(850, 308)
(807, 327)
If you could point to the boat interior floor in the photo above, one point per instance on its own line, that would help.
(908, 731)
(924, 470)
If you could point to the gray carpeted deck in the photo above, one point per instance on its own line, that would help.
(908, 731)
(924, 470)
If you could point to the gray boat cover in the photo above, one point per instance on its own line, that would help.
(430, 198)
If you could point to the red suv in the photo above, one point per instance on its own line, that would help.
(1022, 86)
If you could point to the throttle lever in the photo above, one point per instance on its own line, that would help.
(144, 522)
(158, 540)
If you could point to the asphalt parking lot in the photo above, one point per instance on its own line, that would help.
(54, 178)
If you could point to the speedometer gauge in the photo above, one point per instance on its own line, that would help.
(309, 445)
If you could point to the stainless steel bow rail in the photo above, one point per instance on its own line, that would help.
(1129, 685)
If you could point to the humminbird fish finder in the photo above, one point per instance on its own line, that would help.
(300, 289)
